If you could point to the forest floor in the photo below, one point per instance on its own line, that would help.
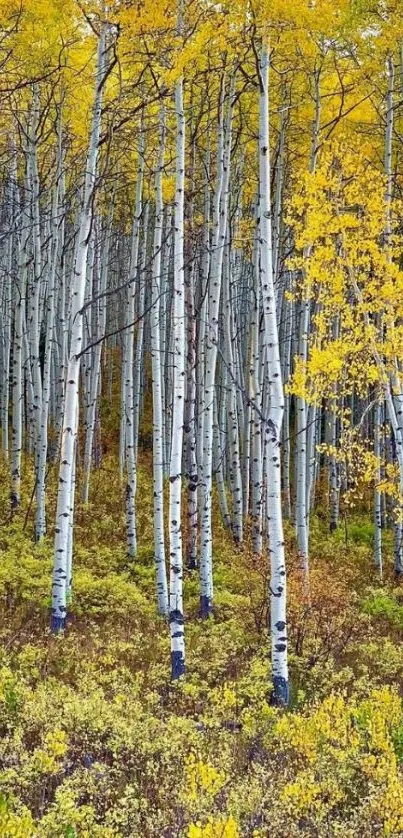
(96, 740)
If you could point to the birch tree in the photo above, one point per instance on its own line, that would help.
(176, 616)
(65, 505)
(158, 447)
(278, 619)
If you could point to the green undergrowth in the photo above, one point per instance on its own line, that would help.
(96, 741)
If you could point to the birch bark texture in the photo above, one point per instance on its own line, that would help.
(278, 619)
(155, 337)
(220, 215)
(176, 616)
(65, 503)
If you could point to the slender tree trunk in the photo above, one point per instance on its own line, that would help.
(158, 442)
(20, 293)
(256, 428)
(278, 619)
(49, 342)
(65, 502)
(302, 501)
(214, 294)
(377, 494)
(176, 616)
(95, 372)
(131, 399)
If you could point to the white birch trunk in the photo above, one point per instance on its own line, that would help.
(176, 616)
(302, 502)
(65, 510)
(20, 293)
(40, 526)
(7, 317)
(95, 371)
(235, 474)
(256, 396)
(377, 494)
(214, 294)
(129, 431)
(278, 619)
(158, 442)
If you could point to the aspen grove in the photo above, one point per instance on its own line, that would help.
(201, 413)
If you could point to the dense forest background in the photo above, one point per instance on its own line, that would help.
(201, 405)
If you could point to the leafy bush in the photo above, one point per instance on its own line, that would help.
(96, 742)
